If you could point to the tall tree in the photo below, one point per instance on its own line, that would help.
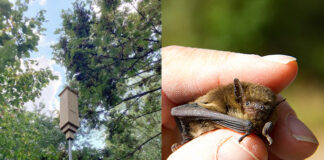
(29, 135)
(113, 58)
(23, 135)
(19, 82)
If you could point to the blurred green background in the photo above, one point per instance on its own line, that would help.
(261, 27)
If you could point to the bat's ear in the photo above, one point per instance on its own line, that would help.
(238, 91)
(277, 103)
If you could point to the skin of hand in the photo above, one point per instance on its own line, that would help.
(188, 73)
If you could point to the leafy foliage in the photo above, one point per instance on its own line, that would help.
(19, 82)
(87, 153)
(28, 135)
(18, 34)
(23, 135)
(113, 58)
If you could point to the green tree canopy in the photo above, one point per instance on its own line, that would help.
(19, 35)
(113, 58)
(29, 135)
(23, 135)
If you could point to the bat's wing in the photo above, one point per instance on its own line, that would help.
(196, 112)
(200, 113)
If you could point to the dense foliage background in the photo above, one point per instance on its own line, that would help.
(260, 27)
(112, 57)
(24, 135)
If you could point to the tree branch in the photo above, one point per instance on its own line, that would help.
(140, 94)
(129, 98)
(142, 80)
(140, 146)
(127, 58)
(139, 73)
(143, 16)
(152, 40)
(123, 114)
(146, 114)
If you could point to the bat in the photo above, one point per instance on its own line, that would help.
(241, 106)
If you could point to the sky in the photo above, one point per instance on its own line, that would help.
(44, 57)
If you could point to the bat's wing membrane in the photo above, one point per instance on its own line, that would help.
(197, 112)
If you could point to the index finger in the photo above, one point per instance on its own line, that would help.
(190, 72)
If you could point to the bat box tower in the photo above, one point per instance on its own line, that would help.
(69, 114)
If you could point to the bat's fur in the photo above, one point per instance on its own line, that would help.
(248, 101)
(222, 100)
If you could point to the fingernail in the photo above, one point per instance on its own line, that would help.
(299, 131)
(279, 58)
(231, 149)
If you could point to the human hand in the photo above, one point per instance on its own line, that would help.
(188, 73)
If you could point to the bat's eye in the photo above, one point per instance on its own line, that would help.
(247, 103)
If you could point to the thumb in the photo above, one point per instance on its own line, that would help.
(222, 144)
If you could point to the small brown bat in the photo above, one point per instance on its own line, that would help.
(241, 106)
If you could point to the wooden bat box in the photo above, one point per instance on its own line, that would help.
(69, 114)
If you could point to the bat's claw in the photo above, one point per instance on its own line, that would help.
(269, 139)
(265, 131)
(248, 132)
(175, 147)
(241, 138)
